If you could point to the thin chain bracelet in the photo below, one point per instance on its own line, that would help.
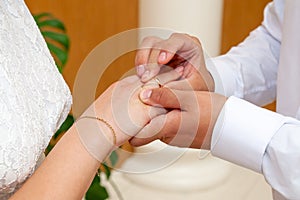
(106, 123)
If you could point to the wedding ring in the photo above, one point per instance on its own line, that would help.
(158, 82)
(155, 81)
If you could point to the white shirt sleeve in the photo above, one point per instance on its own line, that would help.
(281, 162)
(249, 71)
(245, 134)
(261, 140)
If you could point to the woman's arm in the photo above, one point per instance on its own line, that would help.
(70, 167)
(66, 172)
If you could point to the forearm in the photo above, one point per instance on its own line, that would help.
(66, 173)
(248, 71)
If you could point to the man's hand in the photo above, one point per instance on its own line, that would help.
(189, 123)
(178, 51)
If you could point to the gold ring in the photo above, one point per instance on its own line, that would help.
(158, 82)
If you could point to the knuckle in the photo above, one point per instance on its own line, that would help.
(177, 35)
(196, 40)
(168, 46)
(140, 58)
(157, 46)
(158, 95)
(185, 35)
(149, 41)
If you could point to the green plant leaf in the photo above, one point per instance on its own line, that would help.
(113, 158)
(65, 126)
(96, 191)
(37, 17)
(57, 36)
(48, 149)
(106, 170)
(59, 67)
(61, 38)
(61, 54)
(55, 23)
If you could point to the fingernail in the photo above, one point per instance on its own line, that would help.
(140, 70)
(162, 56)
(179, 69)
(146, 94)
(146, 75)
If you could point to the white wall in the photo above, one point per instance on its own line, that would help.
(201, 18)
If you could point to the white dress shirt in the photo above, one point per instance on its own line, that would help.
(263, 67)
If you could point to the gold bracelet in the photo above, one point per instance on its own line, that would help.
(106, 123)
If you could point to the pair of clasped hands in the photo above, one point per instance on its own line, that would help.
(169, 99)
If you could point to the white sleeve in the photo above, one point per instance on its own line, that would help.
(249, 71)
(281, 162)
(261, 140)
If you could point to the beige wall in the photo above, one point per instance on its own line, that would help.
(201, 18)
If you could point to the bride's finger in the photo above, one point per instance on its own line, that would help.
(164, 78)
(184, 84)
(193, 81)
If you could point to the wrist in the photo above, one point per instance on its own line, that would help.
(209, 81)
(105, 112)
(95, 136)
(215, 103)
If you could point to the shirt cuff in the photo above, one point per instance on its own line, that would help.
(243, 132)
(226, 83)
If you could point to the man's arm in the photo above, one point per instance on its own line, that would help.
(249, 71)
(261, 140)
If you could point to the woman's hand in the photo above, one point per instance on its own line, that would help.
(188, 124)
(121, 107)
(178, 51)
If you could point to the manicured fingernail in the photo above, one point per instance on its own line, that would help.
(146, 94)
(179, 69)
(162, 56)
(140, 70)
(146, 75)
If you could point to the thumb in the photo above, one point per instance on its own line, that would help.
(150, 132)
(165, 97)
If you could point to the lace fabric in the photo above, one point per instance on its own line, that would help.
(34, 98)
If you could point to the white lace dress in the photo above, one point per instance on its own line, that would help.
(34, 99)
